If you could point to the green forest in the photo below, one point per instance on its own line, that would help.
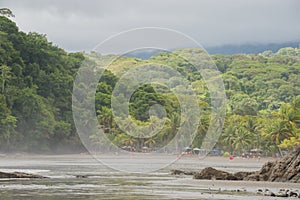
(36, 77)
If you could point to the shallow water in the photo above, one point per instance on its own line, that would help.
(105, 183)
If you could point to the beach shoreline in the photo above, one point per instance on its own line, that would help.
(87, 178)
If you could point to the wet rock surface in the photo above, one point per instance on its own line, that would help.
(19, 175)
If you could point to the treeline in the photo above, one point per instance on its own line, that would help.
(36, 78)
(263, 108)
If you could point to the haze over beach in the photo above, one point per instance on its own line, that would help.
(149, 100)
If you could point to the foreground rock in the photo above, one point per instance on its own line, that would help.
(19, 175)
(285, 169)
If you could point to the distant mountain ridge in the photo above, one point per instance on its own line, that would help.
(250, 48)
(229, 49)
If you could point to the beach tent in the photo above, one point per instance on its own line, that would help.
(256, 151)
(196, 150)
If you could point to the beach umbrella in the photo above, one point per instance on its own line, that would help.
(188, 149)
(196, 150)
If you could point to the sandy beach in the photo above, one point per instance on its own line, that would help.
(101, 182)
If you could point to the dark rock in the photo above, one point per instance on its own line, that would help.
(259, 191)
(81, 176)
(19, 175)
(211, 173)
(241, 175)
(267, 192)
(179, 172)
(282, 193)
(285, 169)
(294, 193)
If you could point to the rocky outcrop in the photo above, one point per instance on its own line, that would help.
(285, 169)
(214, 174)
(211, 173)
(19, 175)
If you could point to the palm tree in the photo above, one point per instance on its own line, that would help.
(150, 142)
(276, 131)
(169, 131)
(228, 137)
(253, 127)
(290, 116)
(105, 117)
(173, 125)
(153, 126)
(129, 141)
(242, 139)
(202, 130)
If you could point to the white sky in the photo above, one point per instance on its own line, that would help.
(77, 25)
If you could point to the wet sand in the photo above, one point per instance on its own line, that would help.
(102, 182)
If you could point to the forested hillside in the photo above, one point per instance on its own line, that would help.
(263, 108)
(36, 77)
(35, 95)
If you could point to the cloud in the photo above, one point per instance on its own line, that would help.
(79, 25)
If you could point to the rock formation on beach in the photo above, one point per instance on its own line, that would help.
(19, 175)
(285, 169)
(211, 173)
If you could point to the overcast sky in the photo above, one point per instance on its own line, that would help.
(77, 25)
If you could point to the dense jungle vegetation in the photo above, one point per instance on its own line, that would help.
(36, 83)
